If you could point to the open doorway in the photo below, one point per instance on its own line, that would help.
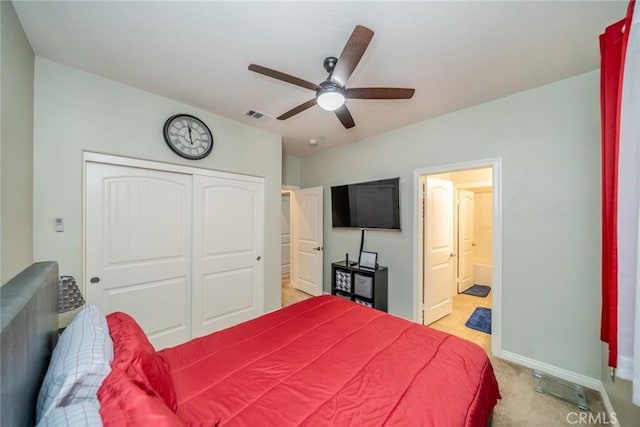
(458, 251)
(301, 244)
(288, 293)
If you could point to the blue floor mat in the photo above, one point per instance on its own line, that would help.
(480, 320)
(478, 291)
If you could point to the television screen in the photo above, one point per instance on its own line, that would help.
(374, 204)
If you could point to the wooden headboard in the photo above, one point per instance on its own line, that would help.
(29, 321)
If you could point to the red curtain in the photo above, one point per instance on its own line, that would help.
(612, 49)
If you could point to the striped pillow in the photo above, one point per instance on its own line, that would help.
(86, 414)
(79, 363)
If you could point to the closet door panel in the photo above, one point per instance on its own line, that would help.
(138, 244)
(227, 252)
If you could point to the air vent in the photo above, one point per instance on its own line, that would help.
(257, 115)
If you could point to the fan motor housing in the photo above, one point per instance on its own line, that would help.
(330, 63)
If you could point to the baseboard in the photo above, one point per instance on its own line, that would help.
(547, 368)
(608, 406)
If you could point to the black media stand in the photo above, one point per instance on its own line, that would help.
(365, 286)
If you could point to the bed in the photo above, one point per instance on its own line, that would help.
(321, 362)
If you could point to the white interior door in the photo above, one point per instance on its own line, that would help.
(285, 233)
(439, 249)
(138, 237)
(306, 239)
(466, 243)
(228, 268)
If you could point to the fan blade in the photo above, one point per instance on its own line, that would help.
(380, 93)
(299, 109)
(351, 54)
(345, 118)
(282, 76)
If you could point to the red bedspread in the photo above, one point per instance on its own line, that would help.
(327, 361)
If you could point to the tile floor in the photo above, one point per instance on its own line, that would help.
(291, 295)
(463, 307)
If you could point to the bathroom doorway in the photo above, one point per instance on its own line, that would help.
(288, 293)
(456, 246)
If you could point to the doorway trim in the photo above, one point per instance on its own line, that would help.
(496, 166)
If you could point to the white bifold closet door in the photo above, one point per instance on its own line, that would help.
(138, 248)
(227, 252)
(179, 252)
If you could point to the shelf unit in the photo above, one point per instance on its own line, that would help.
(365, 286)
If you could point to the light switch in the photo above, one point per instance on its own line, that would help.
(59, 225)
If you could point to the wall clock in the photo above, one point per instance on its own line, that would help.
(188, 136)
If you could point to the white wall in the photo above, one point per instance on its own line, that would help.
(549, 140)
(468, 178)
(472, 178)
(16, 146)
(290, 170)
(76, 111)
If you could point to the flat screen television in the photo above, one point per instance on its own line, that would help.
(371, 205)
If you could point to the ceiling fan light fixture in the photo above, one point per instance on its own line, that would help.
(330, 96)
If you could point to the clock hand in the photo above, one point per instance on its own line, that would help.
(190, 137)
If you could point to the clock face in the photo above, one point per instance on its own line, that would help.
(188, 136)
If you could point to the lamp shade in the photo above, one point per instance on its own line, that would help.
(69, 295)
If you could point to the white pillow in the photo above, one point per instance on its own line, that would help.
(80, 362)
(85, 414)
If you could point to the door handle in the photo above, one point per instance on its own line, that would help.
(95, 280)
(319, 248)
(258, 258)
(451, 255)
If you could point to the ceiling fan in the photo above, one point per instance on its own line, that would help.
(332, 93)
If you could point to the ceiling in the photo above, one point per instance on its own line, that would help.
(456, 54)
